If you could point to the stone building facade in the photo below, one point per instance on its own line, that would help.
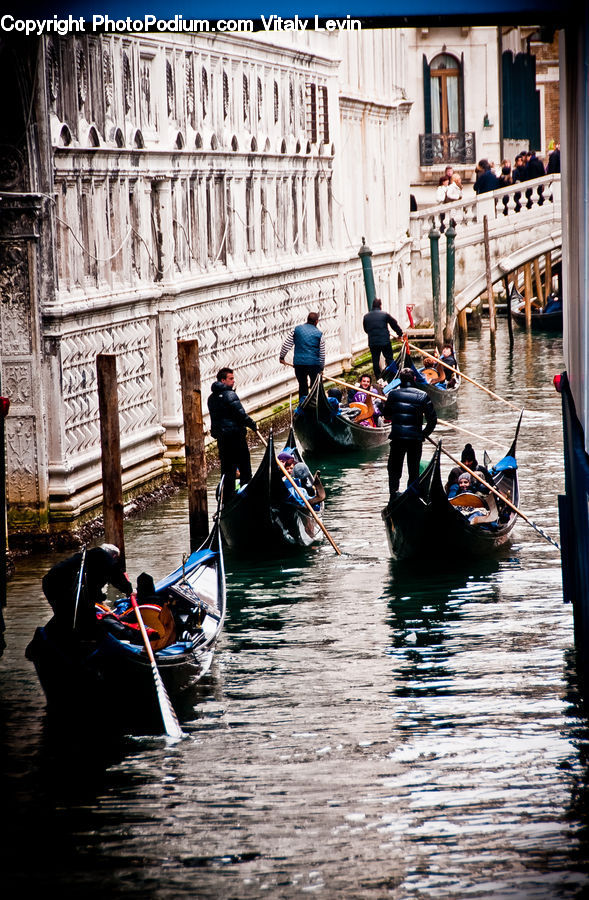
(158, 188)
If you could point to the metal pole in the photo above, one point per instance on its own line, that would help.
(450, 278)
(110, 441)
(434, 240)
(365, 254)
(194, 442)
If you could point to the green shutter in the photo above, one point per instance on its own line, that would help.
(427, 96)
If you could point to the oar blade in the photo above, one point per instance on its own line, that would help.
(169, 718)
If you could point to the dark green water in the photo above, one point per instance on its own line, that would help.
(367, 731)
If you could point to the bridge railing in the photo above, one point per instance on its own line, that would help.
(539, 196)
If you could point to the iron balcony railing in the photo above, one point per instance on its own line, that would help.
(447, 149)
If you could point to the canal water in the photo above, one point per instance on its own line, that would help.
(367, 730)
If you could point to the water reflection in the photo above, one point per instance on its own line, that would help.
(367, 729)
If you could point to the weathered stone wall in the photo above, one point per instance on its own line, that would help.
(194, 190)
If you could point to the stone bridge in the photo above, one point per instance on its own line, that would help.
(524, 225)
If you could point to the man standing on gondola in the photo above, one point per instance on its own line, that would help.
(74, 586)
(406, 407)
(229, 421)
(308, 342)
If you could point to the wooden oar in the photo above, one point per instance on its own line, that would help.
(439, 359)
(169, 718)
(501, 496)
(305, 501)
(441, 421)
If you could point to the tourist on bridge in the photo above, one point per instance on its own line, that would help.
(406, 407)
(309, 353)
(486, 179)
(229, 422)
(376, 324)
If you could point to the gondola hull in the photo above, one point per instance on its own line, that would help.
(322, 432)
(264, 519)
(110, 681)
(539, 321)
(443, 399)
(422, 524)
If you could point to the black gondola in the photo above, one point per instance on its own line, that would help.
(323, 431)
(109, 679)
(265, 518)
(422, 523)
(539, 319)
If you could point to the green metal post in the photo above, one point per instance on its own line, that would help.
(365, 254)
(434, 240)
(450, 276)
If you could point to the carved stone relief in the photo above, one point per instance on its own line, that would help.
(21, 457)
(15, 325)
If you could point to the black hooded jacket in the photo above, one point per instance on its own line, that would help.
(228, 417)
(406, 407)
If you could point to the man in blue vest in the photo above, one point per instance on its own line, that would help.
(309, 353)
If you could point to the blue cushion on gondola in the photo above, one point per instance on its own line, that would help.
(508, 462)
(175, 649)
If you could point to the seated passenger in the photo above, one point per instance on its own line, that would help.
(362, 395)
(334, 398)
(469, 459)
(299, 492)
(461, 486)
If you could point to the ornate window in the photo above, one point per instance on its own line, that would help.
(225, 95)
(260, 99)
(246, 98)
(127, 83)
(311, 112)
(276, 103)
(204, 92)
(170, 89)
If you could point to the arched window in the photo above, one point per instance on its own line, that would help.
(445, 88)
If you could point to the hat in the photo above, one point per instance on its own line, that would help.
(285, 458)
(468, 453)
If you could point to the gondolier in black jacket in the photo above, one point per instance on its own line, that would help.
(376, 324)
(229, 421)
(406, 407)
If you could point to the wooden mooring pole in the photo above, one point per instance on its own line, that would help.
(528, 294)
(110, 442)
(508, 304)
(194, 442)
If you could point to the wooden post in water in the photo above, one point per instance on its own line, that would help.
(462, 321)
(110, 443)
(194, 442)
(528, 293)
(548, 276)
(539, 291)
(508, 302)
(490, 297)
(4, 407)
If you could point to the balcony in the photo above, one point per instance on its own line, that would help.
(457, 148)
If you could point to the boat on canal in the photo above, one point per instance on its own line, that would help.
(321, 430)
(265, 518)
(422, 523)
(110, 679)
(541, 319)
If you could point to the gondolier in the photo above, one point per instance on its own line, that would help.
(406, 407)
(376, 324)
(229, 421)
(78, 582)
(309, 353)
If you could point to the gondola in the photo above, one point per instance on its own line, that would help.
(422, 523)
(442, 396)
(539, 320)
(109, 679)
(323, 431)
(264, 518)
